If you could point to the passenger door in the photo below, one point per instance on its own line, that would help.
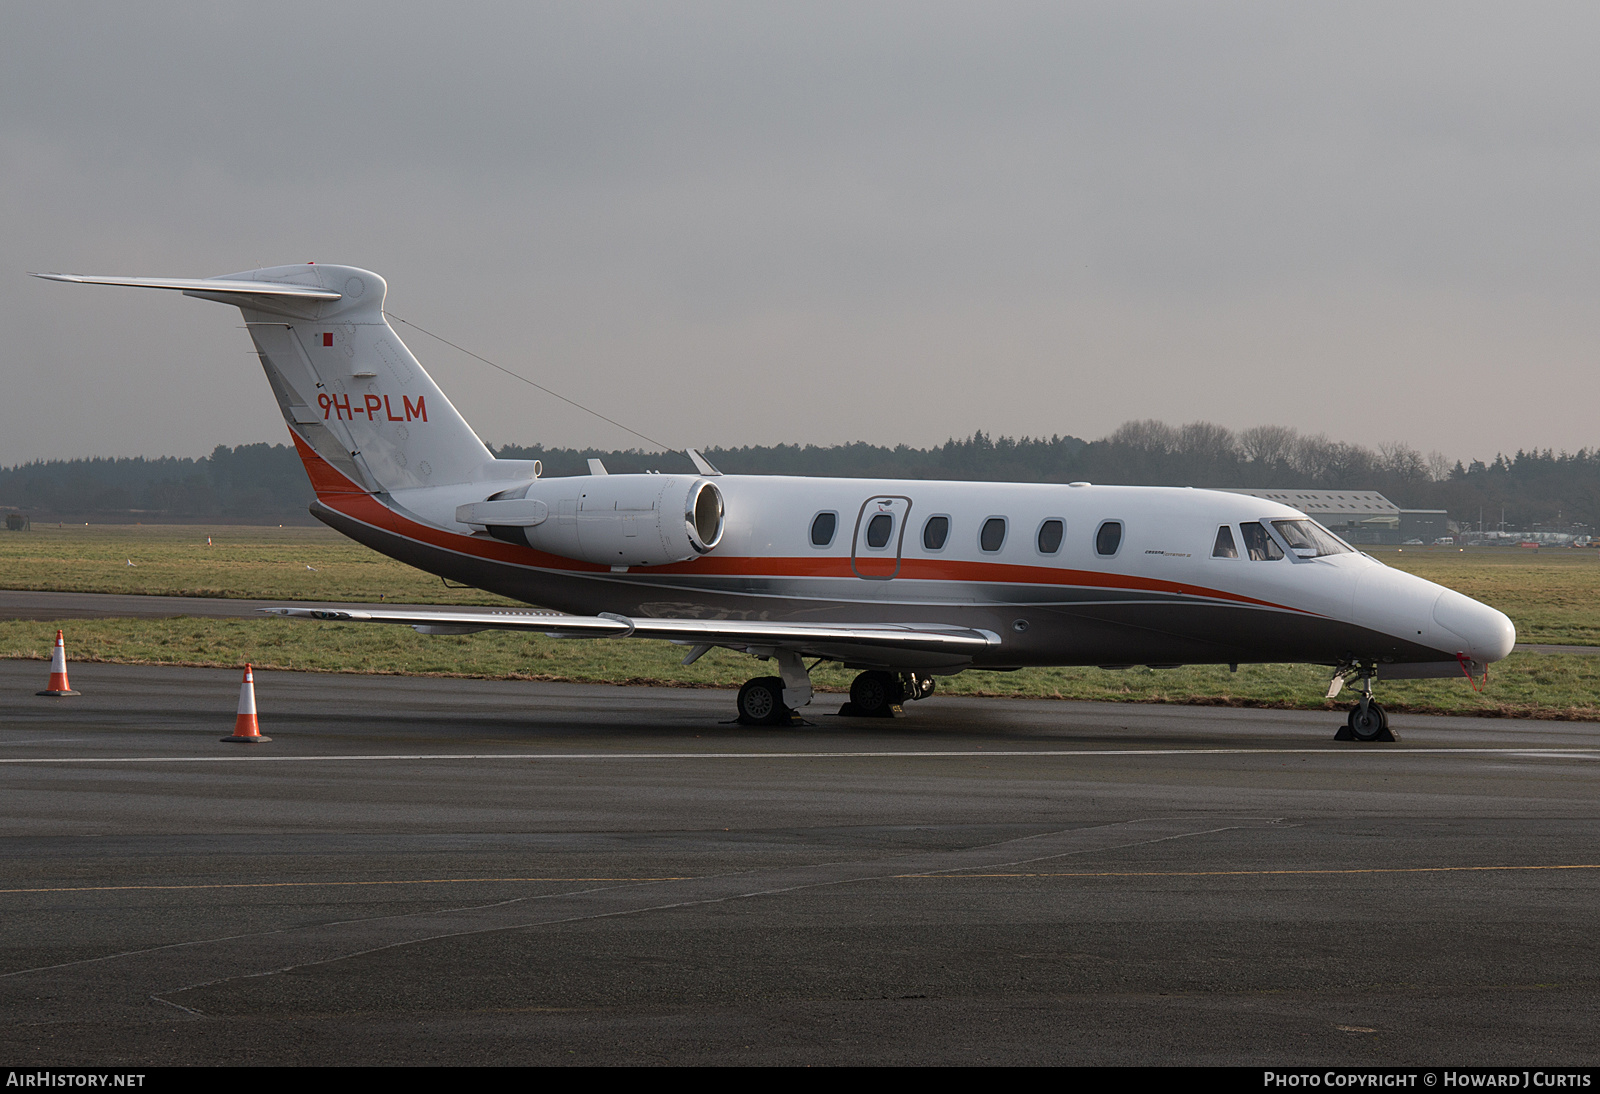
(880, 533)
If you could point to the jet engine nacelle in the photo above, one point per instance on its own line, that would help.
(613, 520)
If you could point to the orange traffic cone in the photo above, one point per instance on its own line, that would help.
(58, 670)
(246, 730)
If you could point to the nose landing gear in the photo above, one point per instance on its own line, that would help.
(1367, 720)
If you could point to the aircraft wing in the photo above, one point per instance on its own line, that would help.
(892, 645)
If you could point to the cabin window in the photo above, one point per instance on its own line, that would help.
(935, 533)
(1224, 547)
(1108, 539)
(1049, 538)
(823, 526)
(993, 536)
(878, 529)
(1258, 544)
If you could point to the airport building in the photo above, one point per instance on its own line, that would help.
(1361, 516)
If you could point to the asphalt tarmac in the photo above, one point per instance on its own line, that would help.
(426, 871)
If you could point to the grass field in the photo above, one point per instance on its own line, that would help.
(1550, 686)
(1550, 594)
(249, 563)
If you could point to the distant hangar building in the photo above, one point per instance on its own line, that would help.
(1361, 516)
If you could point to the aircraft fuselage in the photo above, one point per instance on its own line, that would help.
(1162, 595)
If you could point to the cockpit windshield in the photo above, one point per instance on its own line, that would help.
(1304, 535)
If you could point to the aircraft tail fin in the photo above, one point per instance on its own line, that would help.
(347, 386)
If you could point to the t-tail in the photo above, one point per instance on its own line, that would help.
(389, 456)
(354, 397)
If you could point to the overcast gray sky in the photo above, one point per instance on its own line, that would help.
(750, 223)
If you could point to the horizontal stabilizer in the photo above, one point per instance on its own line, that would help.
(365, 414)
(200, 284)
(932, 645)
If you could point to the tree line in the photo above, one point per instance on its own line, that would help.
(247, 484)
(263, 483)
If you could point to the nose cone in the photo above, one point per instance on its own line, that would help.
(1488, 635)
(1420, 612)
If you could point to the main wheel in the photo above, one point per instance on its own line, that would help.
(761, 701)
(1368, 725)
(872, 693)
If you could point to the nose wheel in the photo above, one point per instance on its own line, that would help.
(1367, 721)
(1369, 724)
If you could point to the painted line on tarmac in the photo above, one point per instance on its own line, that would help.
(1263, 873)
(928, 877)
(323, 884)
(422, 757)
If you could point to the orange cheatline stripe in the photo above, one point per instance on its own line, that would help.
(1263, 873)
(324, 884)
(326, 480)
(340, 494)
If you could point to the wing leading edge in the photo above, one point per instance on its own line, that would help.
(926, 646)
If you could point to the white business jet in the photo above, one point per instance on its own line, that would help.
(904, 580)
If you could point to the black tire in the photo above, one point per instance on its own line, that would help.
(761, 702)
(1369, 728)
(872, 693)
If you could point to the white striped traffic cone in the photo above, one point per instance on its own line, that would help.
(246, 730)
(58, 670)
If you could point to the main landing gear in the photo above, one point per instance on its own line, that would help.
(878, 694)
(773, 700)
(761, 703)
(1367, 720)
